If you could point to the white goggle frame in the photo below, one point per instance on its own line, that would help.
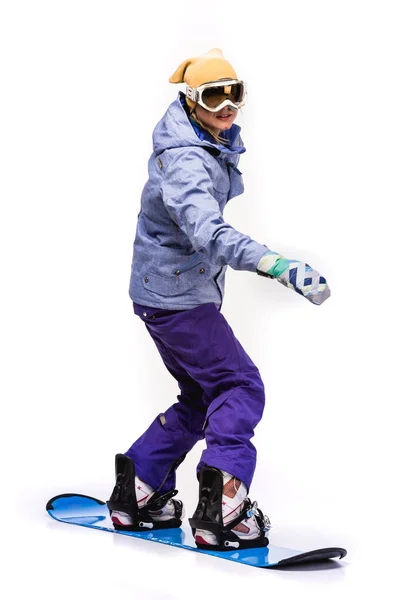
(196, 94)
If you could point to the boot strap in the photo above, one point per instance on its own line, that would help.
(220, 530)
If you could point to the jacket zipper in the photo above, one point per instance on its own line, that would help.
(234, 167)
(189, 264)
(216, 283)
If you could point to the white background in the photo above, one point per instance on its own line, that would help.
(83, 84)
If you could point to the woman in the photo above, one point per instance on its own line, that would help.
(182, 249)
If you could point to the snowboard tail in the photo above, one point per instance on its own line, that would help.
(86, 511)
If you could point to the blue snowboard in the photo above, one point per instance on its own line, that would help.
(77, 509)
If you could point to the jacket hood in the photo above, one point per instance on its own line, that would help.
(175, 130)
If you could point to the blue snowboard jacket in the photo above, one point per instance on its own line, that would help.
(183, 245)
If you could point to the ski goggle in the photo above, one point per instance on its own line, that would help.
(216, 94)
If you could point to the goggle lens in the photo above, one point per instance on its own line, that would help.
(214, 96)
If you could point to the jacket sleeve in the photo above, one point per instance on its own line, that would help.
(187, 191)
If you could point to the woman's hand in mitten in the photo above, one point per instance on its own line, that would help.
(295, 275)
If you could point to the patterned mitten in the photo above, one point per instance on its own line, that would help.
(295, 275)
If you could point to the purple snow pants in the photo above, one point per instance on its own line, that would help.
(221, 397)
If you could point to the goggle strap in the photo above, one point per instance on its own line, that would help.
(192, 93)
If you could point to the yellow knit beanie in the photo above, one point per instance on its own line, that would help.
(211, 66)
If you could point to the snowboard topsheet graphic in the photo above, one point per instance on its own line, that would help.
(77, 509)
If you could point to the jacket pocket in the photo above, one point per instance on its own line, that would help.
(189, 264)
(178, 282)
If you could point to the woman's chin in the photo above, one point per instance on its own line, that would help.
(224, 126)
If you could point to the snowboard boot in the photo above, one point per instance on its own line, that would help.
(135, 506)
(225, 519)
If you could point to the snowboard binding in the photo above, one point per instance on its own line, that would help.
(208, 515)
(123, 499)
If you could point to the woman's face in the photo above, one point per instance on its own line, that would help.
(218, 121)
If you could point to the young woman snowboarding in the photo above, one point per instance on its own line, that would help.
(182, 249)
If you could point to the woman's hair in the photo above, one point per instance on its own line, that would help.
(218, 138)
